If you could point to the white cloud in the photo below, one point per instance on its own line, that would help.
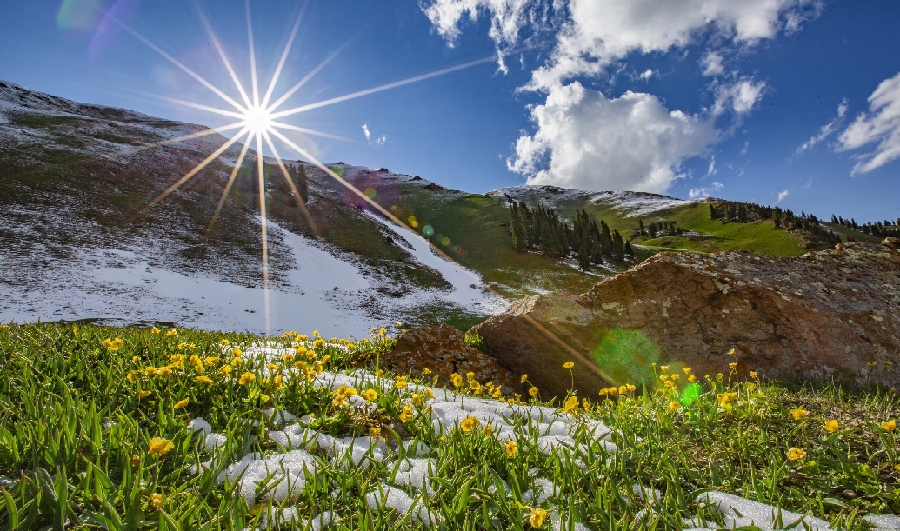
(365, 128)
(739, 97)
(646, 75)
(712, 167)
(705, 192)
(585, 139)
(589, 141)
(826, 130)
(712, 64)
(782, 195)
(381, 139)
(879, 126)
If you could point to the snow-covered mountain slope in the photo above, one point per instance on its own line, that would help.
(629, 204)
(75, 242)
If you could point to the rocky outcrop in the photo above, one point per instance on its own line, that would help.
(828, 314)
(444, 351)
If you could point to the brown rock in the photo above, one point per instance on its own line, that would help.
(891, 242)
(443, 350)
(825, 314)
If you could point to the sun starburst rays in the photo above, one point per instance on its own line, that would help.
(257, 121)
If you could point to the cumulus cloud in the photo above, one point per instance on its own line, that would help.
(705, 192)
(646, 75)
(826, 130)
(879, 126)
(712, 64)
(365, 128)
(587, 140)
(782, 195)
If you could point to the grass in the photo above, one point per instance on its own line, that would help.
(79, 410)
(760, 237)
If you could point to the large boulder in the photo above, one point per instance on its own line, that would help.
(828, 314)
(443, 351)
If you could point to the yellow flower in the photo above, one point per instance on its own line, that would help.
(236, 361)
(163, 371)
(113, 344)
(692, 378)
(143, 394)
(831, 426)
(401, 383)
(264, 398)
(135, 359)
(154, 330)
(417, 399)
(205, 380)
(754, 374)
(603, 392)
(799, 413)
(374, 432)
(675, 377)
(224, 342)
(686, 370)
(663, 377)
(630, 387)
(246, 378)
(873, 364)
(456, 380)
(795, 454)
(537, 517)
(426, 371)
(172, 333)
(622, 390)
(160, 446)
(182, 403)
(533, 391)
(288, 358)
(890, 425)
(731, 352)
(369, 394)
(428, 394)
(236, 352)
(278, 381)
(733, 365)
(664, 368)
(568, 365)
(157, 500)
(135, 461)
(150, 371)
(469, 423)
(570, 404)
(226, 370)
(511, 448)
(674, 405)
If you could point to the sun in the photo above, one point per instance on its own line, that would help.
(257, 120)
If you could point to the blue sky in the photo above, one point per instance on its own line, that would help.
(794, 102)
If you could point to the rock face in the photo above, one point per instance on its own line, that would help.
(826, 314)
(443, 350)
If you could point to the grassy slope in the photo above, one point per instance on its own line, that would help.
(478, 231)
(759, 237)
(74, 443)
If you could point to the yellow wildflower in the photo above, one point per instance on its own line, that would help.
(524, 378)
(428, 394)
(150, 371)
(225, 370)
(369, 394)
(674, 405)
(469, 423)
(154, 330)
(278, 381)
(675, 377)
(135, 461)
(731, 352)
(831, 426)
(401, 383)
(533, 391)
(795, 454)
(733, 365)
(246, 378)
(160, 446)
(873, 364)
(157, 500)
(287, 358)
(374, 431)
(164, 371)
(537, 517)
(664, 368)
(426, 371)
(236, 352)
(754, 374)
(224, 342)
(686, 370)
(211, 360)
(417, 399)
(456, 380)
(236, 361)
(568, 365)
(172, 332)
(630, 387)
(143, 394)
(406, 414)
(663, 377)
(511, 448)
(182, 403)
(799, 413)
(889, 425)
(692, 378)
(571, 404)
(622, 390)
(135, 359)
(114, 344)
(205, 380)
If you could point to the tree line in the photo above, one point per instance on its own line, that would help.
(880, 229)
(783, 219)
(540, 229)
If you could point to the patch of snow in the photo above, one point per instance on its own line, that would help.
(741, 512)
(630, 204)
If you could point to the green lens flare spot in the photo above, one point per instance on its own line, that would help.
(625, 356)
(428, 231)
(370, 193)
(339, 170)
(691, 394)
(445, 241)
